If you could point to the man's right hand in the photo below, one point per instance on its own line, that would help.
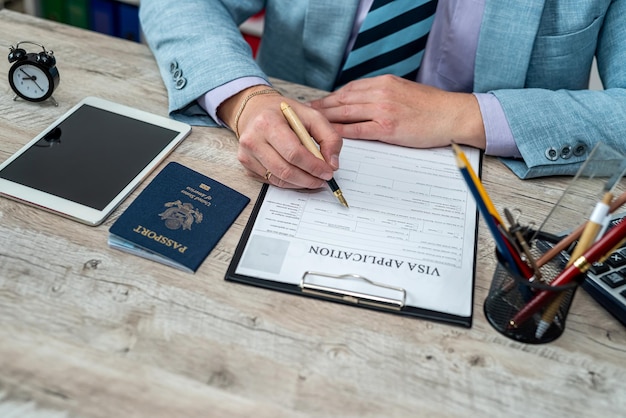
(268, 145)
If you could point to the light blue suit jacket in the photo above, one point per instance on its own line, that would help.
(535, 56)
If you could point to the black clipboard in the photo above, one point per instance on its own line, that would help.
(308, 289)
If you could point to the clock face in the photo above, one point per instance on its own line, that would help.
(31, 82)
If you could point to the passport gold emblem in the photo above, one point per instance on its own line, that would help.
(180, 214)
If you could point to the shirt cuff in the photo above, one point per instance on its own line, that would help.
(212, 99)
(500, 141)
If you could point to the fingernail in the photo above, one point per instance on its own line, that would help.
(334, 161)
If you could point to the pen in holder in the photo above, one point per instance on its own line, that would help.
(531, 293)
(509, 294)
(532, 306)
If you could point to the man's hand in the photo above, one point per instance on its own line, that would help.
(267, 143)
(398, 111)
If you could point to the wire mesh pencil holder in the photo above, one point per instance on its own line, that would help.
(509, 293)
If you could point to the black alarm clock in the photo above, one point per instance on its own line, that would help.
(33, 75)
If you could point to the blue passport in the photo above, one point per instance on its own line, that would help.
(178, 218)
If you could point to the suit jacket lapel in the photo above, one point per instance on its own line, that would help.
(505, 43)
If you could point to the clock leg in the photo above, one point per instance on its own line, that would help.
(56, 104)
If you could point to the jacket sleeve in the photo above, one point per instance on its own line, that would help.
(198, 46)
(556, 129)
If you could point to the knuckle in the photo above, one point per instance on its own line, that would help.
(279, 182)
(343, 94)
(357, 130)
(386, 107)
(387, 125)
(251, 125)
(284, 172)
(243, 158)
(346, 112)
(292, 154)
(246, 142)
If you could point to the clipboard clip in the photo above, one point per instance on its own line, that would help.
(317, 283)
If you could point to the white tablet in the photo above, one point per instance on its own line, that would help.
(90, 159)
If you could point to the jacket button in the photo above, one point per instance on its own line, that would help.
(180, 83)
(552, 154)
(173, 66)
(177, 74)
(566, 152)
(579, 149)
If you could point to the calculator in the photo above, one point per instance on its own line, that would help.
(606, 282)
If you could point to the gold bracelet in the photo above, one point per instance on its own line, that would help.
(244, 102)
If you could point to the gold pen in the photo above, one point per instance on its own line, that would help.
(309, 144)
(587, 238)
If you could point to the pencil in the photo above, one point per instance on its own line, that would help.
(309, 144)
(505, 248)
(481, 190)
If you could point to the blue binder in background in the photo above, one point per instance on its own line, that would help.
(102, 17)
(128, 22)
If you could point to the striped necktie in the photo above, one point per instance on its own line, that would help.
(391, 40)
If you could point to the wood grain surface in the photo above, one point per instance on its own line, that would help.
(87, 331)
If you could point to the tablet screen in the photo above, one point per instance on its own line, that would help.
(90, 159)
(90, 156)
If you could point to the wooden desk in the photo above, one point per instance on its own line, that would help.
(87, 331)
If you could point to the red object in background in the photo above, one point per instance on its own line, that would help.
(253, 41)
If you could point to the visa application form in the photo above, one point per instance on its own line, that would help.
(411, 224)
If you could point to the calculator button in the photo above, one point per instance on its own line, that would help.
(616, 260)
(614, 279)
(599, 268)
